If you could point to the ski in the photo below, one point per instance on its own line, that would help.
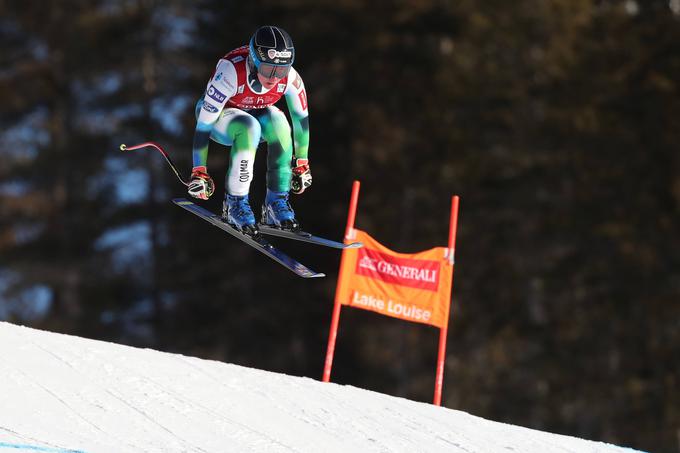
(306, 237)
(259, 244)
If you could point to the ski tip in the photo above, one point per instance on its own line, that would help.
(181, 201)
(306, 272)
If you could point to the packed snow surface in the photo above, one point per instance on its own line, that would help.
(60, 394)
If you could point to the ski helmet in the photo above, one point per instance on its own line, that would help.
(272, 51)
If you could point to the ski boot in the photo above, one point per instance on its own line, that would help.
(237, 213)
(277, 212)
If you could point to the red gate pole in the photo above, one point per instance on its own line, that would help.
(441, 357)
(333, 334)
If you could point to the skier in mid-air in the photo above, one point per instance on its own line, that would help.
(237, 110)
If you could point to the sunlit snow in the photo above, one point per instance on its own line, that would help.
(67, 394)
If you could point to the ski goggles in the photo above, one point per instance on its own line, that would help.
(268, 70)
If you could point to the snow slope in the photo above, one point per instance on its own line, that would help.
(66, 394)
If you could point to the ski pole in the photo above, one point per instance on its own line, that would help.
(124, 147)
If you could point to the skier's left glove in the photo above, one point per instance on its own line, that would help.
(302, 176)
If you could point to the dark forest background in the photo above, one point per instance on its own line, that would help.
(556, 121)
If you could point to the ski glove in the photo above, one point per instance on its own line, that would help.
(201, 185)
(302, 176)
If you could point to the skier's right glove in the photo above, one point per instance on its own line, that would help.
(201, 185)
